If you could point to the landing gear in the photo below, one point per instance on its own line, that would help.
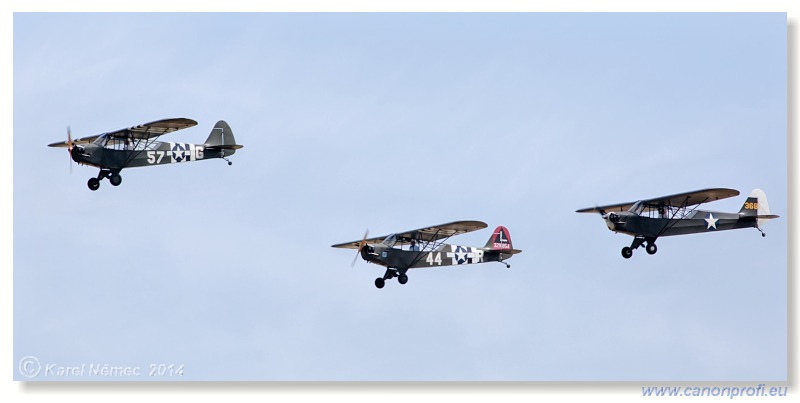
(402, 278)
(627, 252)
(94, 183)
(763, 234)
(113, 177)
(651, 247)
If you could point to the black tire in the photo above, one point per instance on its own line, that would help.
(115, 179)
(93, 183)
(402, 279)
(627, 252)
(651, 249)
(379, 282)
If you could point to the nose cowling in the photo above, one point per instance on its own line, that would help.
(612, 219)
(79, 153)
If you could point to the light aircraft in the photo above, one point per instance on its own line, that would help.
(647, 220)
(425, 247)
(137, 147)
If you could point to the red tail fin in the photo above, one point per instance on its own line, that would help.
(500, 239)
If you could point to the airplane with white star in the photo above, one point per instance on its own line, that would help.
(647, 220)
(137, 147)
(425, 247)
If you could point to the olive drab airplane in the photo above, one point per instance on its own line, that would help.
(647, 220)
(137, 147)
(425, 247)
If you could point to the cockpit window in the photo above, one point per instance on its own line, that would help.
(390, 240)
(101, 141)
(118, 143)
(637, 208)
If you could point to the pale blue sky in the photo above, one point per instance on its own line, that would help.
(393, 122)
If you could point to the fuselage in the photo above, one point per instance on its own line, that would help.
(445, 255)
(697, 222)
(114, 154)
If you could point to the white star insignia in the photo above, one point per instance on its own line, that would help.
(712, 222)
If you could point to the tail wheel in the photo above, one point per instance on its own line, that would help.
(651, 249)
(627, 252)
(93, 183)
(379, 282)
(402, 279)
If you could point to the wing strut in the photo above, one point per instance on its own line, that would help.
(672, 221)
(429, 246)
(137, 147)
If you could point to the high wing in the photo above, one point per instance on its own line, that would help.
(676, 200)
(426, 234)
(142, 132)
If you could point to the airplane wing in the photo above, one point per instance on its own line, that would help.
(153, 129)
(681, 199)
(607, 208)
(143, 132)
(426, 234)
(64, 144)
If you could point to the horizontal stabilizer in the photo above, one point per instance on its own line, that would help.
(224, 147)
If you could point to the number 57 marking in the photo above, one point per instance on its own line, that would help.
(154, 157)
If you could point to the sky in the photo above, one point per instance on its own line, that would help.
(392, 122)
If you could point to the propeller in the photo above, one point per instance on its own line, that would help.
(69, 148)
(360, 246)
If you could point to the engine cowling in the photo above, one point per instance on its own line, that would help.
(612, 219)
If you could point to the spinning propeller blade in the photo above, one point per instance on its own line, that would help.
(69, 148)
(360, 246)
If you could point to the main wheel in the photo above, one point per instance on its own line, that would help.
(115, 179)
(94, 183)
(379, 282)
(627, 252)
(651, 248)
(402, 279)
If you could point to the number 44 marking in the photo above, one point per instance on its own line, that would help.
(431, 259)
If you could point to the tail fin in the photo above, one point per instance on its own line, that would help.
(756, 206)
(221, 138)
(500, 240)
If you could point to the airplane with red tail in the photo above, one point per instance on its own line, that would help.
(426, 247)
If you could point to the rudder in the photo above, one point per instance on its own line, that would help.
(500, 239)
(221, 137)
(756, 204)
